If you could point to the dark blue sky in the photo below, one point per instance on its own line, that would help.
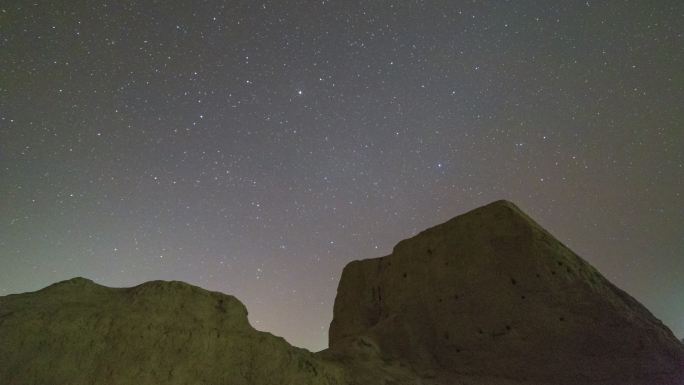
(256, 147)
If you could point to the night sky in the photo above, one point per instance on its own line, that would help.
(256, 147)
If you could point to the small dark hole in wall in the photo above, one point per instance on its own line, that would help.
(522, 297)
(455, 296)
(429, 251)
(538, 276)
(480, 331)
(553, 272)
(508, 327)
(513, 281)
(458, 350)
(560, 263)
(561, 319)
(405, 275)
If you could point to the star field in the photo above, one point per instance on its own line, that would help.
(256, 147)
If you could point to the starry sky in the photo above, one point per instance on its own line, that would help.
(256, 147)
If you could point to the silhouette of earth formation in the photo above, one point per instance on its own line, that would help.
(488, 297)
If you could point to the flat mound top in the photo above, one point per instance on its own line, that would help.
(159, 332)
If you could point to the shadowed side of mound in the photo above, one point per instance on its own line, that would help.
(77, 332)
(491, 293)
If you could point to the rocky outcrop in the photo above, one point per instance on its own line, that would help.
(488, 297)
(491, 293)
(77, 332)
